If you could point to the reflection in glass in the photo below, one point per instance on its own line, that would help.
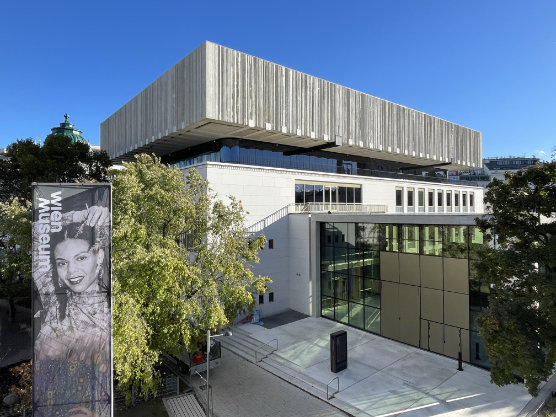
(356, 315)
(342, 194)
(309, 193)
(341, 313)
(372, 319)
(299, 194)
(410, 239)
(319, 197)
(431, 240)
(455, 241)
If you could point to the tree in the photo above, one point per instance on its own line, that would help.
(180, 266)
(15, 247)
(58, 160)
(518, 327)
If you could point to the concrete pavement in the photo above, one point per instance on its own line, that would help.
(387, 378)
(242, 389)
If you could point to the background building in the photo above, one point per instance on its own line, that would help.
(360, 229)
(493, 168)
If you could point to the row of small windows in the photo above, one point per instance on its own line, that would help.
(440, 194)
(307, 192)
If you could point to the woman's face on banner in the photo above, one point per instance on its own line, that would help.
(76, 264)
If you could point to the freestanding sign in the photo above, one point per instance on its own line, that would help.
(72, 366)
(338, 351)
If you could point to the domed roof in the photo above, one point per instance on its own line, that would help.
(67, 129)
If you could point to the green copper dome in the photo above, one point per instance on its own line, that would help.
(67, 129)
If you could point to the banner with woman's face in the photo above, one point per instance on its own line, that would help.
(72, 366)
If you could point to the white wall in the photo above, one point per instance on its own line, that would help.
(291, 264)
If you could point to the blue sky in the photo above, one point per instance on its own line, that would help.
(485, 64)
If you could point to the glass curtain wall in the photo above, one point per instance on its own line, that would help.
(350, 282)
(350, 269)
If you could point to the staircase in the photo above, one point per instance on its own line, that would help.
(267, 357)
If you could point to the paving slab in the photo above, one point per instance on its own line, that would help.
(387, 378)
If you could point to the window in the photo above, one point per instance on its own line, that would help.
(410, 239)
(431, 198)
(261, 298)
(270, 297)
(464, 199)
(410, 194)
(439, 195)
(318, 192)
(456, 199)
(471, 200)
(299, 194)
(270, 243)
(448, 198)
(399, 197)
(421, 197)
(431, 240)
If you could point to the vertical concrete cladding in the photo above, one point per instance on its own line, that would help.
(219, 92)
(175, 100)
(246, 90)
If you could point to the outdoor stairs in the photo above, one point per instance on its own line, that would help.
(269, 359)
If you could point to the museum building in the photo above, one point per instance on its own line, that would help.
(362, 225)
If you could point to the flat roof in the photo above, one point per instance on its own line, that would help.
(217, 92)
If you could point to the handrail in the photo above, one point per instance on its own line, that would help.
(268, 220)
(209, 387)
(268, 351)
(328, 397)
(316, 208)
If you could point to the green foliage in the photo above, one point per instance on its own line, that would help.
(519, 325)
(180, 266)
(58, 160)
(15, 246)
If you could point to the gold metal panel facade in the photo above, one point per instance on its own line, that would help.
(389, 268)
(432, 305)
(456, 275)
(431, 272)
(456, 309)
(409, 269)
(390, 310)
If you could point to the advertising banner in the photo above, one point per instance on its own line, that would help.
(72, 366)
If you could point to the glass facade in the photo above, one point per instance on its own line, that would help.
(327, 193)
(249, 152)
(352, 286)
(350, 282)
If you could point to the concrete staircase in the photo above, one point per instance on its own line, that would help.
(268, 358)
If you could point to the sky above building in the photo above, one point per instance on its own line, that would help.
(486, 65)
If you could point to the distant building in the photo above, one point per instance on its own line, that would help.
(493, 168)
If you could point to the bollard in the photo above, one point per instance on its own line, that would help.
(460, 367)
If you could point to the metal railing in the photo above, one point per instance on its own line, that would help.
(265, 349)
(209, 387)
(331, 395)
(339, 208)
(316, 208)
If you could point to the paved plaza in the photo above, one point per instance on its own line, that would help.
(383, 378)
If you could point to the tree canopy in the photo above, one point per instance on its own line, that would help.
(180, 266)
(518, 327)
(57, 160)
(15, 247)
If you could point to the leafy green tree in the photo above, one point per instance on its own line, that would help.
(58, 160)
(15, 247)
(180, 266)
(518, 327)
